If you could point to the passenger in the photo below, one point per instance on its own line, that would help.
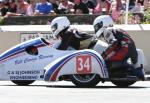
(121, 45)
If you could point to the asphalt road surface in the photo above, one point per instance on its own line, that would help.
(66, 92)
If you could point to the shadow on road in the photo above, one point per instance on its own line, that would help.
(97, 87)
(72, 86)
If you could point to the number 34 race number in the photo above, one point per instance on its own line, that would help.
(83, 64)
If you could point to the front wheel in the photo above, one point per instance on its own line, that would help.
(85, 80)
(23, 82)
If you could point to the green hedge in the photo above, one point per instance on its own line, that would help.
(147, 16)
(1, 20)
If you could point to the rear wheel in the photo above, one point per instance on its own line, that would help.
(123, 83)
(23, 82)
(85, 80)
(123, 77)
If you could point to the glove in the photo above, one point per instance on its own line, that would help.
(103, 55)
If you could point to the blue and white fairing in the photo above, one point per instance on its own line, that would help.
(20, 48)
(18, 63)
(77, 62)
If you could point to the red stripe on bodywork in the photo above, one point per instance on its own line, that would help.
(54, 75)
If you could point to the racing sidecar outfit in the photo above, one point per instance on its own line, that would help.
(75, 39)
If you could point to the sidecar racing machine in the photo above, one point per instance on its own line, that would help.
(36, 59)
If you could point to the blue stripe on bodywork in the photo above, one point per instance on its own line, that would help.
(20, 48)
(51, 70)
(54, 68)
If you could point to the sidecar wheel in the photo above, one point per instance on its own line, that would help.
(123, 83)
(23, 82)
(85, 80)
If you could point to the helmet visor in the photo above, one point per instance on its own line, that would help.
(98, 26)
(54, 27)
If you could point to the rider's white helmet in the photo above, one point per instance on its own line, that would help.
(59, 24)
(101, 23)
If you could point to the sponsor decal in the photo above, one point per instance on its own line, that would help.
(13, 72)
(27, 60)
(29, 36)
(45, 56)
(23, 75)
(83, 64)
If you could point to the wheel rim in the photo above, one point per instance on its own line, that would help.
(84, 77)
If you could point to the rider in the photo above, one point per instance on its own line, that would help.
(121, 45)
(69, 37)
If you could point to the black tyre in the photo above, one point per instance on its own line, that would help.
(23, 82)
(123, 83)
(85, 80)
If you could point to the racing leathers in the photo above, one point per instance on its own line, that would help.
(121, 46)
(75, 39)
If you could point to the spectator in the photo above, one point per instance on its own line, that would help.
(80, 5)
(116, 12)
(103, 7)
(65, 7)
(12, 6)
(21, 9)
(43, 8)
(90, 3)
(120, 4)
(123, 3)
(146, 4)
(98, 8)
(136, 8)
(3, 7)
(141, 2)
(131, 4)
(137, 14)
(137, 18)
(55, 4)
(31, 8)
